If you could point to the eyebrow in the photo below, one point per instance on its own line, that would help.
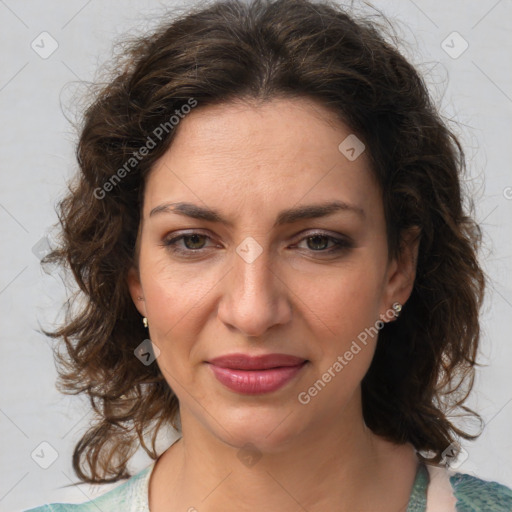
(288, 216)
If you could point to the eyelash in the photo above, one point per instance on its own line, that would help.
(339, 244)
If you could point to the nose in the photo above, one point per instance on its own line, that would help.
(255, 297)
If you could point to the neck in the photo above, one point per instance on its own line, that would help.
(339, 465)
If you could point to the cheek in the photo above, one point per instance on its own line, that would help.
(344, 334)
(342, 310)
(175, 302)
(344, 300)
(175, 292)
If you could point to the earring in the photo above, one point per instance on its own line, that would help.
(397, 308)
(145, 322)
(140, 298)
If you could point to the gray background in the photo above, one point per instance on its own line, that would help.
(474, 90)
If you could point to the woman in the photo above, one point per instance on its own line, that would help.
(269, 234)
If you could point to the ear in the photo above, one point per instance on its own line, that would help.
(135, 287)
(402, 270)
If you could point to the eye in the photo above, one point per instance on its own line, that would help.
(192, 242)
(319, 242)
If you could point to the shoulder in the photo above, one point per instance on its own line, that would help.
(476, 495)
(129, 496)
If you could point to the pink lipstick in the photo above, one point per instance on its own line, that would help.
(255, 375)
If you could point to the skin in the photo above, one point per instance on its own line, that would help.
(251, 161)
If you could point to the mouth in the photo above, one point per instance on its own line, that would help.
(254, 375)
(261, 362)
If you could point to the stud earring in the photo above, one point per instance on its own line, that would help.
(397, 309)
(145, 322)
(140, 298)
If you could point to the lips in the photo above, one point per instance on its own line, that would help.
(263, 362)
(256, 375)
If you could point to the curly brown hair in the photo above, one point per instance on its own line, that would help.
(423, 367)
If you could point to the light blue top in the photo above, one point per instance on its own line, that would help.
(473, 495)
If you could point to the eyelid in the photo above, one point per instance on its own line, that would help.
(177, 236)
(320, 232)
(340, 241)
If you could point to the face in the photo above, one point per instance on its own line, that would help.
(292, 260)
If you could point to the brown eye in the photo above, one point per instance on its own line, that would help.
(187, 244)
(194, 241)
(318, 242)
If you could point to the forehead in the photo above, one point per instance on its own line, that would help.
(252, 156)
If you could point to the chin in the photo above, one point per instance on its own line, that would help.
(266, 429)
